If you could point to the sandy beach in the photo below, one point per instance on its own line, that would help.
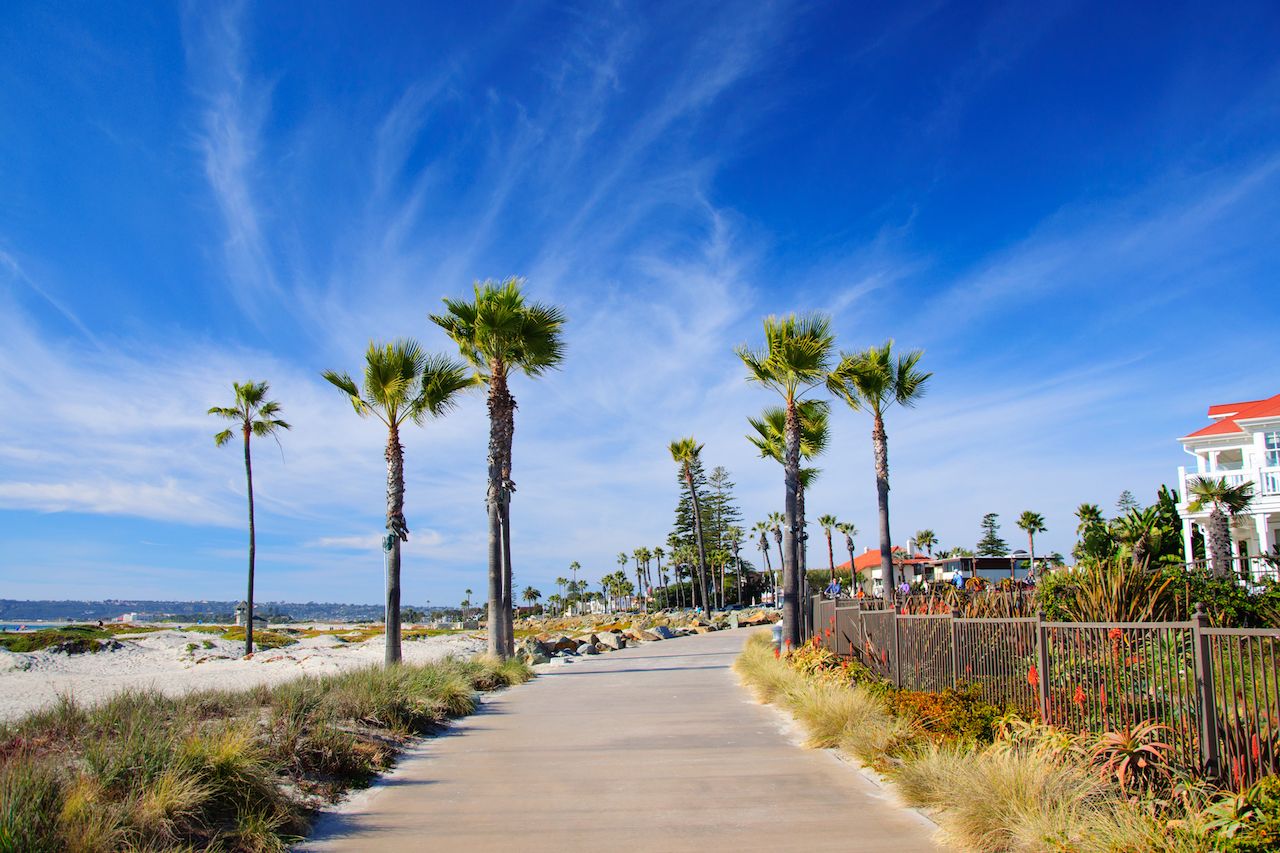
(177, 661)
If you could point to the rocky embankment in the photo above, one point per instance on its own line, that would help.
(561, 637)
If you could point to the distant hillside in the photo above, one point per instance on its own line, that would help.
(207, 611)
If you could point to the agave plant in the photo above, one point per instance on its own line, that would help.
(1134, 756)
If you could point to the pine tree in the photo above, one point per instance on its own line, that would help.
(720, 510)
(991, 545)
(1127, 502)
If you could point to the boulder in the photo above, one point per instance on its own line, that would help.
(561, 643)
(613, 640)
(650, 636)
(663, 632)
(587, 649)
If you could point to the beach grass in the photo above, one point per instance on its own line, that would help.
(228, 770)
(82, 637)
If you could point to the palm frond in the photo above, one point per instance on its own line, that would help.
(222, 437)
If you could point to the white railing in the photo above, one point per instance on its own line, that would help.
(1266, 481)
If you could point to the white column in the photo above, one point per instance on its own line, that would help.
(1188, 553)
(1264, 533)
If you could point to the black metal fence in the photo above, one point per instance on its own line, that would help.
(1216, 689)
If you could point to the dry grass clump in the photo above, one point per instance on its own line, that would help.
(218, 769)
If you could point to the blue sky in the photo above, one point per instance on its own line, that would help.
(1073, 208)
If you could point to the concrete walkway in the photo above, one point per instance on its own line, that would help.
(657, 747)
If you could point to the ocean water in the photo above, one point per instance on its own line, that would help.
(28, 626)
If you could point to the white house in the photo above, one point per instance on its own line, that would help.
(1242, 445)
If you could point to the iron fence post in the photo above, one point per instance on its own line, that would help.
(897, 660)
(955, 650)
(1042, 665)
(1204, 691)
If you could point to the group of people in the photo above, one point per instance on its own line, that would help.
(958, 579)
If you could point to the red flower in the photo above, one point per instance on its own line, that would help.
(1115, 634)
(1255, 749)
(1033, 677)
(777, 653)
(1079, 696)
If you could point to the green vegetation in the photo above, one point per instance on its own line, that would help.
(81, 638)
(995, 782)
(218, 770)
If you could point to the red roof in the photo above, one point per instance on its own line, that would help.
(871, 560)
(1229, 413)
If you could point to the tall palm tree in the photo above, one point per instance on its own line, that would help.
(255, 415)
(761, 531)
(849, 530)
(776, 521)
(926, 540)
(685, 452)
(499, 333)
(574, 568)
(795, 359)
(1032, 523)
(658, 554)
(638, 556)
(873, 381)
(401, 384)
(827, 522)
(1224, 500)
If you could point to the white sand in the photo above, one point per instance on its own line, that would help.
(162, 660)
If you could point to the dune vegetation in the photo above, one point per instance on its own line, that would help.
(242, 770)
(994, 782)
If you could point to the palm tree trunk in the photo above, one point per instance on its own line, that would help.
(791, 550)
(1220, 542)
(697, 535)
(853, 578)
(493, 499)
(253, 547)
(880, 444)
(398, 531)
(1031, 552)
(508, 619)
(831, 555)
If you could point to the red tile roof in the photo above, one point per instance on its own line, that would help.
(871, 560)
(1232, 412)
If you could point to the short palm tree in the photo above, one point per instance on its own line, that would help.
(761, 531)
(658, 554)
(1224, 500)
(255, 415)
(402, 384)
(873, 380)
(499, 333)
(735, 535)
(685, 452)
(926, 540)
(530, 595)
(1032, 523)
(794, 360)
(827, 522)
(1140, 531)
(776, 521)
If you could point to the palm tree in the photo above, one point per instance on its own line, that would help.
(658, 554)
(556, 602)
(401, 383)
(638, 556)
(1139, 530)
(1088, 515)
(735, 546)
(926, 540)
(761, 531)
(685, 452)
(849, 530)
(794, 360)
(776, 520)
(497, 334)
(256, 416)
(872, 380)
(1032, 523)
(530, 595)
(826, 522)
(574, 568)
(770, 440)
(1224, 500)
(466, 604)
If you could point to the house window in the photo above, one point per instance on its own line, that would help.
(1273, 449)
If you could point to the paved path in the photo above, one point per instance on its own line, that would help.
(657, 747)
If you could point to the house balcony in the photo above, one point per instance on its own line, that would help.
(1266, 481)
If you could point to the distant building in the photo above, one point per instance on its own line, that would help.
(907, 566)
(1242, 445)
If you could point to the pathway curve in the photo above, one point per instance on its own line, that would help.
(656, 747)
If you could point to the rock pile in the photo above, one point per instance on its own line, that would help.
(561, 637)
